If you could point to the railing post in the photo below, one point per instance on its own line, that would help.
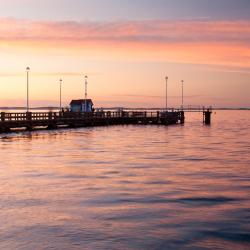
(29, 120)
(50, 115)
(28, 116)
(158, 116)
(2, 116)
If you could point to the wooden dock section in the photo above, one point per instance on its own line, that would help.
(53, 120)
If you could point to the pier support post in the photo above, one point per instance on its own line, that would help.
(52, 126)
(158, 117)
(29, 121)
(52, 120)
(182, 117)
(4, 129)
(207, 117)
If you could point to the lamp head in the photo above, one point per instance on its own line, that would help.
(28, 68)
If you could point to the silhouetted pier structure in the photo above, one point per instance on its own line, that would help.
(207, 116)
(53, 120)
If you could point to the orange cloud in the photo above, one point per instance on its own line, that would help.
(206, 42)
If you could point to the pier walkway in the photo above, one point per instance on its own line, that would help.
(53, 120)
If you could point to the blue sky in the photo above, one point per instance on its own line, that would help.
(125, 9)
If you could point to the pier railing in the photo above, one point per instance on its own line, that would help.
(34, 116)
(30, 120)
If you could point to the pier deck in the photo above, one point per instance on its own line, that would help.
(53, 120)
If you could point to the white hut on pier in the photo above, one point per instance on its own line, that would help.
(81, 105)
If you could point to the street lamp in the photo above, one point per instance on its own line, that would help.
(166, 93)
(27, 71)
(60, 94)
(182, 87)
(86, 91)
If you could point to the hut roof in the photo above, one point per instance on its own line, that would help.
(80, 101)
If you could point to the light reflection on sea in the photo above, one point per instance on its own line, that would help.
(128, 187)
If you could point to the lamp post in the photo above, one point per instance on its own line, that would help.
(166, 93)
(182, 87)
(60, 94)
(27, 71)
(86, 91)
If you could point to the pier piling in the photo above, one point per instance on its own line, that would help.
(182, 115)
(207, 116)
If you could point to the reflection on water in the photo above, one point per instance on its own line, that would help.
(128, 187)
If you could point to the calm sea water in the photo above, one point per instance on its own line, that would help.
(128, 187)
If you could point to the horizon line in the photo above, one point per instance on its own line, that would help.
(135, 108)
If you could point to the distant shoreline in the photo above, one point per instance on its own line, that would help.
(112, 108)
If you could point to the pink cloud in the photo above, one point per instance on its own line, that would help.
(212, 42)
(139, 31)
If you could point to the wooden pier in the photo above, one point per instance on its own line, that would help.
(53, 120)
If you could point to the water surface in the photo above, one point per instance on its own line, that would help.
(128, 187)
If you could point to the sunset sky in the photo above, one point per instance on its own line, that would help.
(126, 47)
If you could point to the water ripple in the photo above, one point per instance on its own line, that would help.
(128, 187)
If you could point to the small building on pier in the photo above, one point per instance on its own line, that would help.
(81, 105)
